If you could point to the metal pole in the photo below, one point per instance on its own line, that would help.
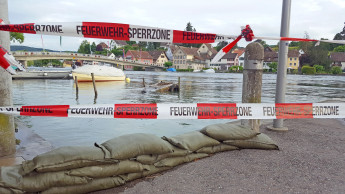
(282, 60)
(7, 137)
(252, 79)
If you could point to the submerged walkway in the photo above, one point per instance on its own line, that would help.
(311, 159)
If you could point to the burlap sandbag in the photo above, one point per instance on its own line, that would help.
(43, 181)
(218, 148)
(4, 190)
(132, 145)
(191, 141)
(151, 169)
(108, 170)
(261, 141)
(94, 185)
(11, 177)
(172, 162)
(65, 158)
(151, 159)
(223, 132)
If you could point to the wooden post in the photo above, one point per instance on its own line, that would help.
(76, 85)
(94, 85)
(252, 79)
(179, 82)
(144, 82)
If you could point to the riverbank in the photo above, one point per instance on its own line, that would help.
(310, 160)
(30, 145)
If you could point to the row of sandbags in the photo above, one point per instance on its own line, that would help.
(76, 169)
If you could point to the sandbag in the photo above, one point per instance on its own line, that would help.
(223, 132)
(11, 177)
(261, 141)
(218, 148)
(94, 185)
(101, 171)
(172, 162)
(131, 176)
(191, 141)
(65, 158)
(132, 145)
(4, 190)
(43, 181)
(151, 159)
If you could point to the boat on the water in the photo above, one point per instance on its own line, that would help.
(101, 73)
(208, 71)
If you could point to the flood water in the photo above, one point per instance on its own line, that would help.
(195, 88)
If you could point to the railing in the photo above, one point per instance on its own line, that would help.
(33, 54)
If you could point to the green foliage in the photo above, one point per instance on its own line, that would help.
(263, 43)
(220, 45)
(135, 68)
(117, 52)
(184, 70)
(46, 62)
(131, 42)
(236, 69)
(15, 36)
(168, 64)
(319, 68)
(308, 70)
(84, 47)
(294, 44)
(339, 49)
(336, 70)
(295, 71)
(30, 63)
(273, 66)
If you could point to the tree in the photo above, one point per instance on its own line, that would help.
(273, 66)
(15, 36)
(168, 64)
(220, 45)
(263, 43)
(131, 42)
(319, 56)
(293, 44)
(190, 28)
(339, 49)
(93, 47)
(142, 44)
(338, 36)
(336, 70)
(84, 47)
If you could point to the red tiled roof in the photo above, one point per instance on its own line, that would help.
(293, 53)
(270, 56)
(141, 54)
(230, 56)
(239, 51)
(156, 54)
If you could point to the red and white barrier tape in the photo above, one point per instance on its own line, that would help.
(6, 60)
(186, 111)
(115, 31)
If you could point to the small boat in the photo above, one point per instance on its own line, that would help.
(208, 71)
(101, 73)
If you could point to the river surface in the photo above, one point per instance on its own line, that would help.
(195, 88)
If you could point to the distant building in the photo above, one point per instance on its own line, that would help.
(120, 43)
(240, 52)
(159, 58)
(269, 57)
(140, 56)
(188, 58)
(102, 46)
(338, 59)
(293, 59)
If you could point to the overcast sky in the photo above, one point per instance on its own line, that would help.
(320, 18)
